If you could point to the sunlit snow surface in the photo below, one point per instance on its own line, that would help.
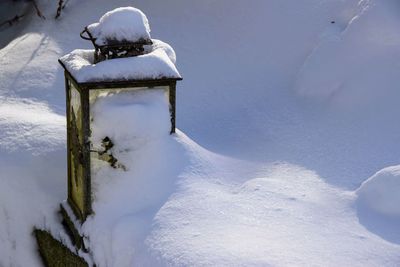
(305, 145)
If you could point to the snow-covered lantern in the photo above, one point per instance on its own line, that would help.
(125, 61)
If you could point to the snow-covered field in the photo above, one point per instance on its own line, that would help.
(288, 128)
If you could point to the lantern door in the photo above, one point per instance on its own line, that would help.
(103, 128)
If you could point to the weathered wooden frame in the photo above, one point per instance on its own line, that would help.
(84, 92)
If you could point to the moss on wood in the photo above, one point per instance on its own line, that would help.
(54, 253)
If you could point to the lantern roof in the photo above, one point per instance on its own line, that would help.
(157, 63)
(123, 24)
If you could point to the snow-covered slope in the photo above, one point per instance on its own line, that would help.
(298, 112)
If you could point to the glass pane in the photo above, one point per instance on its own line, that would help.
(76, 156)
(103, 159)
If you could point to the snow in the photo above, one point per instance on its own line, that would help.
(8, 10)
(274, 142)
(381, 192)
(377, 204)
(284, 216)
(157, 44)
(130, 120)
(21, 131)
(129, 116)
(366, 45)
(121, 24)
(154, 65)
(138, 124)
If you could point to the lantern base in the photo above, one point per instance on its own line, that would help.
(54, 253)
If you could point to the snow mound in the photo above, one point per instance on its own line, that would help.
(380, 192)
(345, 67)
(125, 198)
(121, 24)
(154, 65)
(20, 130)
(128, 117)
(157, 44)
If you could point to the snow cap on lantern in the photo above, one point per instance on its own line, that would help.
(125, 24)
(121, 32)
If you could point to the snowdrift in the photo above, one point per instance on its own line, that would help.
(345, 67)
(292, 112)
(380, 192)
(377, 204)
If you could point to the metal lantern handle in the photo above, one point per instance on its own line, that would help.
(89, 37)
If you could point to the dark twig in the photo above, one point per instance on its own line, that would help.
(38, 12)
(17, 18)
(61, 6)
(12, 21)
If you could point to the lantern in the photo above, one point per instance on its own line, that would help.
(123, 62)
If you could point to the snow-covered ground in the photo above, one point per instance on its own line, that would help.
(283, 117)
